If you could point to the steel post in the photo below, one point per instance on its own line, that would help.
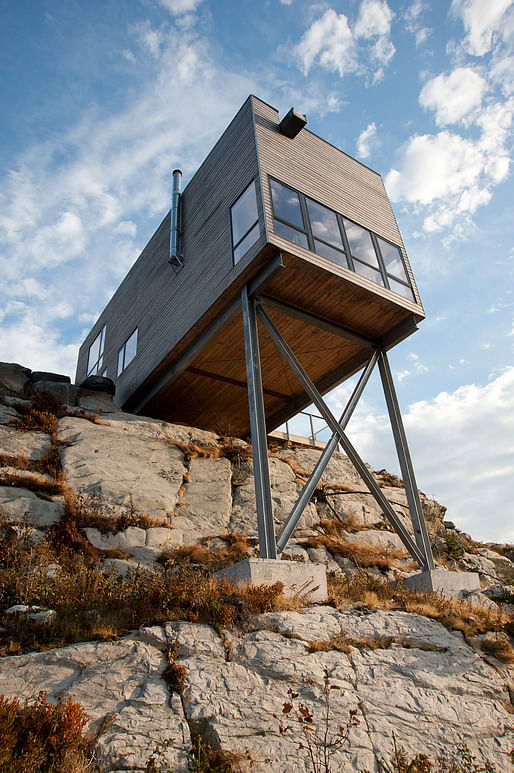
(314, 478)
(267, 545)
(404, 458)
(350, 451)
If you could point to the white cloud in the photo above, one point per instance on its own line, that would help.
(71, 207)
(178, 7)
(412, 18)
(462, 445)
(453, 96)
(482, 21)
(331, 43)
(365, 140)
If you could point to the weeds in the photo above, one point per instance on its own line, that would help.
(460, 761)
(41, 737)
(320, 742)
(236, 549)
(365, 556)
(92, 512)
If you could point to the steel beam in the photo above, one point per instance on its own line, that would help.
(216, 326)
(317, 321)
(267, 545)
(314, 478)
(407, 470)
(350, 451)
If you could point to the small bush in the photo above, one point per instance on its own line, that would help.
(236, 549)
(205, 759)
(92, 512)
(365, 556)
(42, 737)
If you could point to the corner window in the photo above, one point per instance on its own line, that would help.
(127, 353)
(245, 222)
(310, 224)
(96, 354)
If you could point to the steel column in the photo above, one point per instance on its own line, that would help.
(267, 545)
(350, 451)
(309, 488)
(407, 470)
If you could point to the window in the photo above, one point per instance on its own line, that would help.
(127, 353)
(310, 224)
(245, 222)
(96, 354)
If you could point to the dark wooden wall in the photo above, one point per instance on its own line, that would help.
(165, 304)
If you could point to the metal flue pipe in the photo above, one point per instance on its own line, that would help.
(176, 254)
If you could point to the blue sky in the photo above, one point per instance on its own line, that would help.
(100, 100)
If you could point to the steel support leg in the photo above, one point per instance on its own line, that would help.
(319, 469)
(267, 545)
(350, 451)
(407, 470)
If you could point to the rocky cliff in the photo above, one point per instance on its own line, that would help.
(145, 504)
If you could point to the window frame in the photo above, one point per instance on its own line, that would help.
(98, 364)
(346, 251)
(122, 351)
(256, 222)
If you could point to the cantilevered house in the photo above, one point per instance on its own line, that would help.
(277, 225)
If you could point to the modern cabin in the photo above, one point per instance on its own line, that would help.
(300, 224)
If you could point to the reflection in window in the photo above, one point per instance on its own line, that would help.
(245, 222)
(286, 204)
(310, 224)
(96, 354)
(127, 352)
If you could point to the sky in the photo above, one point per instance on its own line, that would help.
(101, 99)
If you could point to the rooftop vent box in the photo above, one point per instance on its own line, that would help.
(292, 123)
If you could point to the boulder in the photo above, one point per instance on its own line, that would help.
(13, 378)
(121, 467)
(19, 504)
(15, 442)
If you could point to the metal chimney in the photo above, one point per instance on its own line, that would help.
(176, 252)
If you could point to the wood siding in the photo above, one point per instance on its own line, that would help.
(163, 304)
(172, 376)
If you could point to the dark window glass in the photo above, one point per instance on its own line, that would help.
(286, 204)
(96, 353)
(392, 258)
(245, 244)
(361, 245)
(324, 223)
(245, 222)
(298, 237)
(329, 252)
(401, 289)
(369, 272)
(127, 352)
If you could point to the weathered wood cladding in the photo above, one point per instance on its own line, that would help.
(174, 311)
(165, 304)
(324, 173)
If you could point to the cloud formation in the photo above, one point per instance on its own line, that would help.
(462, 445)
(453, 97)
(483, 21)
(366, 140)
(335, 45)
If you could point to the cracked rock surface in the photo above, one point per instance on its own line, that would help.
(428, 686)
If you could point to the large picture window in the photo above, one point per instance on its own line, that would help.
(96, 355)
(127, 353)
(245, 222)
(306, 222)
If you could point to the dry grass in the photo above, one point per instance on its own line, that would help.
(342, 643)
(33, 482)
(388, 480)
(92, 512)
(42, 737)
(92, 602)
(454, 614)
(236, 549)
(365, 556)
(499, 647)
(195, 451)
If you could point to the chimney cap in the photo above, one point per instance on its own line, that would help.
(292, 123)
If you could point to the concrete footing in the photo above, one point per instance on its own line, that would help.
(448, 583)
(299, 578)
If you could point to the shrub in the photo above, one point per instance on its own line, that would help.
(42, 737)
(366, 556)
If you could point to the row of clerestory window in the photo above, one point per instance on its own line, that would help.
(308, 223)
(126, 354)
